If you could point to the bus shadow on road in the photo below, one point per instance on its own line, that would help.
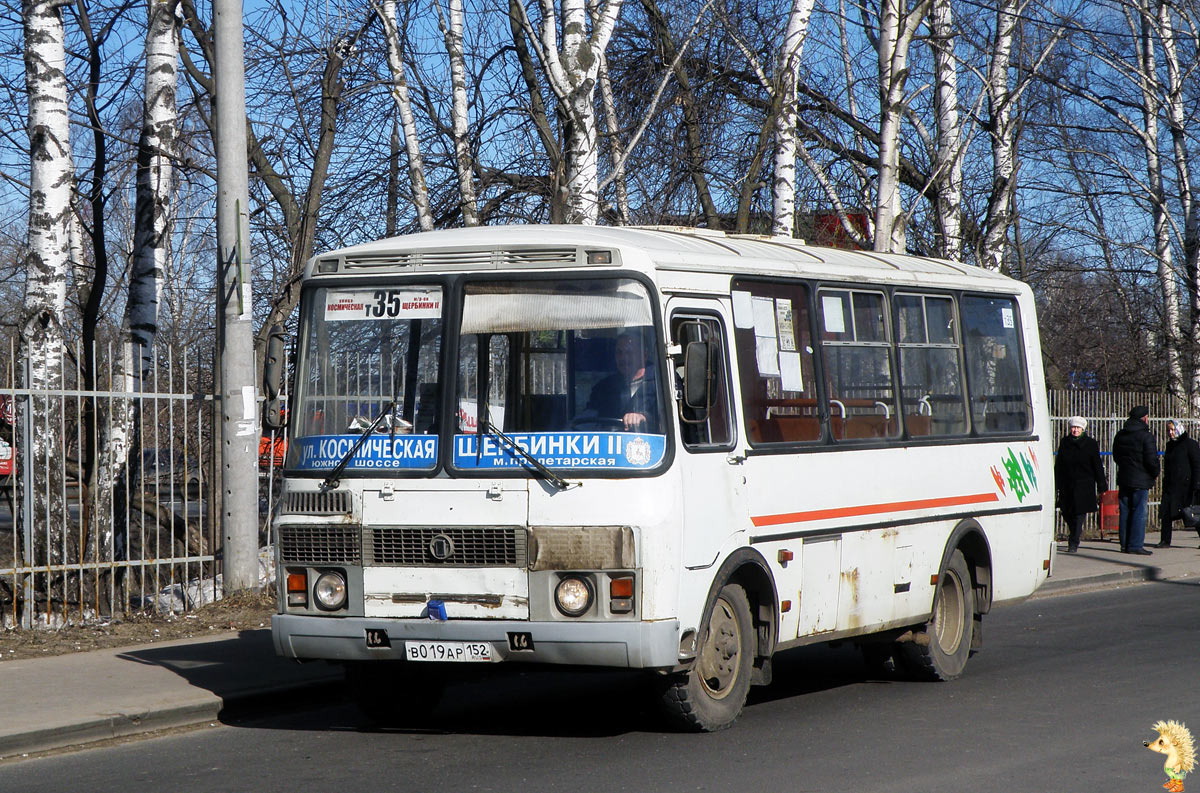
(528, 701)
(812, 669)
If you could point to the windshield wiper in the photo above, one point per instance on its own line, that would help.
(533, 462)
(332, 479)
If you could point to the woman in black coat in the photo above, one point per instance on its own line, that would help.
(1181, 477)
(1078, 478)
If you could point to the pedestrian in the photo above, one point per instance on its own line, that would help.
(1079, 478)
(1181, 478)
(1136, 455)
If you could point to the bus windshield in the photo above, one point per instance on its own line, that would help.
(366, 352)
(564, 368)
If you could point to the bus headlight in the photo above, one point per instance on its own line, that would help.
(330, 591)
(573, 596)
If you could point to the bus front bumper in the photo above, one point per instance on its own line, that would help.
(631, 645)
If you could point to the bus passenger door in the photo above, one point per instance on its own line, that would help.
(711, 473)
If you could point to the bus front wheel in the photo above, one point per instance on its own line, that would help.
(941, 652)
(709, 696)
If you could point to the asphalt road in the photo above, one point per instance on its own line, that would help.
(1061, 698)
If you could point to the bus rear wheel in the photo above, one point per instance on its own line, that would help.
(709, 696)
(941, 653)
(394, 693)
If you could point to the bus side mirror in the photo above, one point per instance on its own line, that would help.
(273, 368)
(697, 375)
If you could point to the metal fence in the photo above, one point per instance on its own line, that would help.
(1106, 412)
(115, 517)
(135, 532)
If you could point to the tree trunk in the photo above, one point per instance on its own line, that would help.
(46, 264)
(897, 25)
(948, 154)
(408, 122)
(1169, 293)
(1003, 140)
(452, 34)
(787, 77)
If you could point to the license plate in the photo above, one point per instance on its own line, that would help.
(448, 651)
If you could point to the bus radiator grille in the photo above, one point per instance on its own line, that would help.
(486, 546)
(320, 544)
(304, 502)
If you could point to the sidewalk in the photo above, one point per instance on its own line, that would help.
(1101, 565)
(69, 700)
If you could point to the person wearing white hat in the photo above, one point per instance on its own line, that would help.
(1079, 478)
(1181, 476)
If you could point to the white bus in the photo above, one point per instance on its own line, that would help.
(665, 449)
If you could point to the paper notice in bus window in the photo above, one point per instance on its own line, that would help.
(768, 356)
(374, 304)
(783, 318)
(743, 310)
(831, 307)
(764, 317)
(1006, 317)
(791, 378)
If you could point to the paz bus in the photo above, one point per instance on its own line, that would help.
(666, 449)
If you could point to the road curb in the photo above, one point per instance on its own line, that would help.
(210, 708)
(1071, 586)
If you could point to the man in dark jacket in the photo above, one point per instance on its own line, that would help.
(1136, 455)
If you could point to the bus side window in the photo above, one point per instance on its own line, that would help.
(773, 336)
(713, 426)
(995, 369)
(933, 395)
(856, 352)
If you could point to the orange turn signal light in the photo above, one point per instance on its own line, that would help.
(297, 589)
(621, 587)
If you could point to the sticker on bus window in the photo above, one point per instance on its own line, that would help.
(790, 374)
(613, 451)
(1006, 318)
(764, 318)
(833, 308)
(783, 318)
(374, 304)
(379, 452)
(743, 310)
(766, 355)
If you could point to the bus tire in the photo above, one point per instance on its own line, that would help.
(709, 696)
(392, 693)
(941, 652)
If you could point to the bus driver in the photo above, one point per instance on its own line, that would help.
(629, 395)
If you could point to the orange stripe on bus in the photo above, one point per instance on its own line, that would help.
(872, 509)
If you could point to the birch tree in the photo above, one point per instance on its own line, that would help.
(1003, 138)
(451, 24)
(155, 178)
(897, 26)
(46, 265)
(571, 70)
(787, 77)
(1177, 123)
(1147, 69)
(150, 256)
(949, 147)
(404, 109)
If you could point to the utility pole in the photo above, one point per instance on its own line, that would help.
(239, 394)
